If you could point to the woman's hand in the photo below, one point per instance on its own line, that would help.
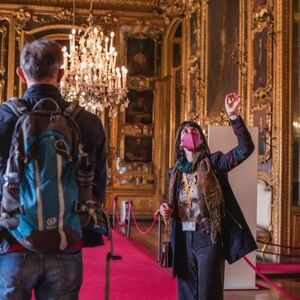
(165, 211)
(232, 102)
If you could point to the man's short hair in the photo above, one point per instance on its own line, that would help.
(41, 59)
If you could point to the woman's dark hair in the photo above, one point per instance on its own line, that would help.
(177, 149)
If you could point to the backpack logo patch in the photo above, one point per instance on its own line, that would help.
(51, 222)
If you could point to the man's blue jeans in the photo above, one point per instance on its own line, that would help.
(51, 276)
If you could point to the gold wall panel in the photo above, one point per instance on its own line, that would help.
(4, 29)
(222, 50)
(258, 57)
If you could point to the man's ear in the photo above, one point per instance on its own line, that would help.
(21, 74)
(60, 75)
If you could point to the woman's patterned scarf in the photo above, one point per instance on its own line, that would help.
(184, 165)
(208, 185)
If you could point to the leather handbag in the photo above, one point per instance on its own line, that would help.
(166, 255)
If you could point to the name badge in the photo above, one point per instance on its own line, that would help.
(188, 226)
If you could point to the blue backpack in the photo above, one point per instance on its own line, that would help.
(44, 181)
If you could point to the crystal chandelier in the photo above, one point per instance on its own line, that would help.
(91, 75)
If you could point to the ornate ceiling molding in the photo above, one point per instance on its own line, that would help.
(142, 29)
(24, 17)
(121, 5)
(171, 9)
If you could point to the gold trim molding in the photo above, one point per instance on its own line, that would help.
(281, 124)
(172, 9)
(263, 17)
(116, 5)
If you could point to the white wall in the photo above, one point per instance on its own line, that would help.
(243, 180)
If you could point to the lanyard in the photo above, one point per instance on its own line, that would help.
(188, 188)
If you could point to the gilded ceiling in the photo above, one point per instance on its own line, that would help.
(121, 5)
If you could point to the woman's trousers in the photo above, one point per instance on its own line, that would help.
(200, 265)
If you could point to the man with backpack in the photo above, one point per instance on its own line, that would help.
(52, 155)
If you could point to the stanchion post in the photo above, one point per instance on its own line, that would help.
(159, 238)
(114, 212)
(129, 219)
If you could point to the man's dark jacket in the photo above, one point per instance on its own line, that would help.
(92, 137)
(236, 237)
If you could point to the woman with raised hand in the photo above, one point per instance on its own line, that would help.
(206, 217)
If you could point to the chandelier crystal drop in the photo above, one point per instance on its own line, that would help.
(91, 75)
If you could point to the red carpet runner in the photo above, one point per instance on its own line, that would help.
(136, 276)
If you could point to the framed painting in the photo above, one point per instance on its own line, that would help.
(138, 149)
(260, 52)
(223, 49)
(141, 57)
(193, 92)
(262, 120)
(140, 108)
(194, 33)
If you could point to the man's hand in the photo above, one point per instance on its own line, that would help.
(232, 101)
(165, 211)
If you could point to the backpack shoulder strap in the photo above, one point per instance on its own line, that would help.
(71, 112)
(49, 105)
(73, 109)
(17, 107)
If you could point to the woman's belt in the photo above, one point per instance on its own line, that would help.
(204, 224)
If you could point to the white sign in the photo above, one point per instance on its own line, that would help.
(243, 180)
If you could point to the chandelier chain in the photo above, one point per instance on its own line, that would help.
(91, 6)
(73, 13)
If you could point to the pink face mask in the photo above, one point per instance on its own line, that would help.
(192, 141)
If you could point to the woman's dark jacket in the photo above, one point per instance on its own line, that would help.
(236, 237)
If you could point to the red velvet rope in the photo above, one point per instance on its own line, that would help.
(270, 282)
(134, 218)
(137, 225)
